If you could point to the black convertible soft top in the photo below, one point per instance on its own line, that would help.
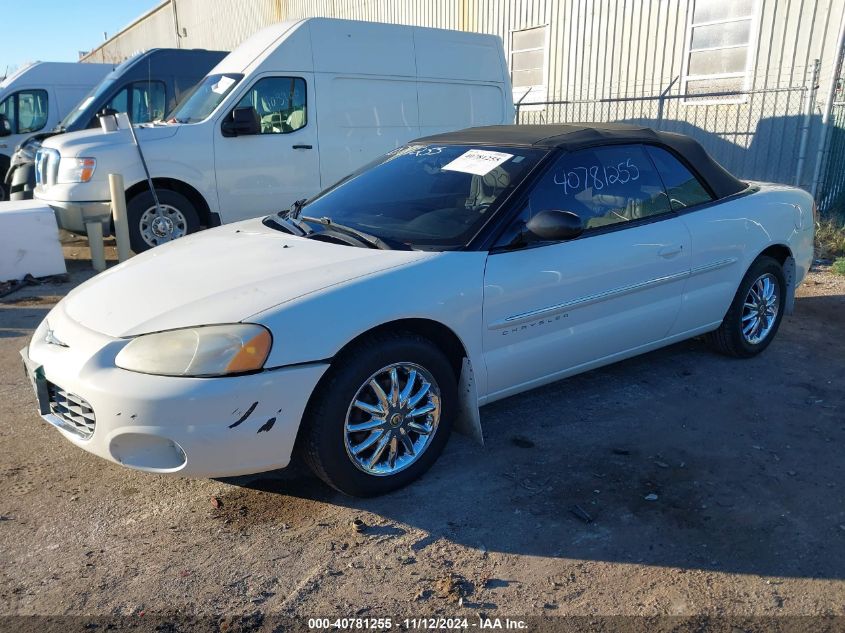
(572, 136)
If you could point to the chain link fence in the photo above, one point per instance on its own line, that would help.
(767, 135)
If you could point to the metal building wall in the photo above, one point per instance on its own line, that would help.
(607, 60)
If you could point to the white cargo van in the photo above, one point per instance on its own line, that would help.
(292, 110)
(37, 97)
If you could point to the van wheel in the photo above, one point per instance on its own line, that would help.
(151, 226)
(381, 416)
(756, 312)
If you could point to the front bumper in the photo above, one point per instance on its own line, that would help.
(72, 216)
(198, 427)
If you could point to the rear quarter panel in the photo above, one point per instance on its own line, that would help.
(727, 237)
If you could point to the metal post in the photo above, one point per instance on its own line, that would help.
(809, 104)
(828, 108)
(118, 214)
(95, 243)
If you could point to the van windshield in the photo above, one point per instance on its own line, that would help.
(205, 97)
(432, 197)
(97, 92)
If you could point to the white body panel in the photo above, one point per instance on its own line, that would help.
(66, 83)
(600, 298)
(370, 88)
(29, 241)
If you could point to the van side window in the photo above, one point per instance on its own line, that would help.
(26, 111)
(7, 109)
(148, 101)
(279, 102)
(118, 103)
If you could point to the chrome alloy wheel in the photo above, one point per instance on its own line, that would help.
(760, 309)
(392, 419)
(162, 223)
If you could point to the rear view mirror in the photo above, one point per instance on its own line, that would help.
(243, 122)
(555, 226)
(5, 126)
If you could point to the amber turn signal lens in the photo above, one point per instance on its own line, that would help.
(252, 355)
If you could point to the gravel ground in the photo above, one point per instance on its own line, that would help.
(676, 483)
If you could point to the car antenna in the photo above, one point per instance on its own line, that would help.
(124, 118)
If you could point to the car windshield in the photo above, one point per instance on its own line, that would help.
(205, 97)
(426, 196)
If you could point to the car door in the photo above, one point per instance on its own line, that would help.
(554, 308)
(266, 172)
(718, 244)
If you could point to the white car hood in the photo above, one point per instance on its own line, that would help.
(224, 275)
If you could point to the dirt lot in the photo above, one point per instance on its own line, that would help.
(552, 516)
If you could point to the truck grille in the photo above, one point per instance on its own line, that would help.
(74, 412)
(46, 166)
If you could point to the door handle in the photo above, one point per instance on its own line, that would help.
(668, 252)
(303, 147)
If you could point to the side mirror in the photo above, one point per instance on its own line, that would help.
(555, 226)
(243, 122)
(5, 126)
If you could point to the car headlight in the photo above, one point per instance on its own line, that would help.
(213, 350)
(73, 170)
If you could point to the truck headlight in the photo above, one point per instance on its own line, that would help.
(72, 170)
(213, 350)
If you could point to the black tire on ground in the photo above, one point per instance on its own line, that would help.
(136, 207)
(3, 195)
(728, 339)
(322, 438)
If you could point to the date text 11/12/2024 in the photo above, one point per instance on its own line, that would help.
(426, 623)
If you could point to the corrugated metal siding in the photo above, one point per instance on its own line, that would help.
(598, 50)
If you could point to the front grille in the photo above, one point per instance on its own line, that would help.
(74, 412)
(46, 166)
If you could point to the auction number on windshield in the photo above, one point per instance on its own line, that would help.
(596, 177)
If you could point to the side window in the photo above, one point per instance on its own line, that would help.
(684, 189)
(148, 101)
(279, 102)
(120, 102)
(32, 110)
(602, 185)
(7, 109)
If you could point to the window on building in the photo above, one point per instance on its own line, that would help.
(720, 49)
(529, 48)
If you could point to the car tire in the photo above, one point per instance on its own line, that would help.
(329, 443)
(149, 227)
(754, 317)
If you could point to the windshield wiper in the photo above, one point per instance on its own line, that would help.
(373, 241)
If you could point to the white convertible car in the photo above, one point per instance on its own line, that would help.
(360, 327)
